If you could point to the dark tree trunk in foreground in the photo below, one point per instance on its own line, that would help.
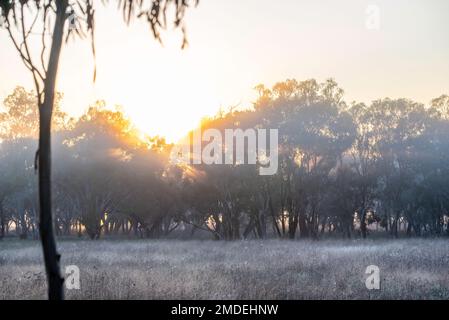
(51, 256)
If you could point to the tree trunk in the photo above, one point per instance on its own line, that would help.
(292, 225)
(395, 225)
(249, 228)
(51, 256)
(363, 222)
(273, 216)
(2, 221)
(303, 230)
(409, 229)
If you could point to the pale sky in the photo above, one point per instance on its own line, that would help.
(166, 90)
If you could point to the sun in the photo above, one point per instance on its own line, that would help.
(170, 115)
(166, 95)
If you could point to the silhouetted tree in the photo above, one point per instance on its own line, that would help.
(44, 67)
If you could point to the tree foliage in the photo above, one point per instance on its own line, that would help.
(348, 170)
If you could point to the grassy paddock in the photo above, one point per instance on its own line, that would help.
(410, 269)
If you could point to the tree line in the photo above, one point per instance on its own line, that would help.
(345, 169)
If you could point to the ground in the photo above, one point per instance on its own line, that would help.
(272, 269)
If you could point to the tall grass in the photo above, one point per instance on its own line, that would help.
(410, 269)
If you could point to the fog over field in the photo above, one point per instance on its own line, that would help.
(272, 269)
(215, 150)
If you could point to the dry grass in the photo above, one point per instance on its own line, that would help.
(410, 269)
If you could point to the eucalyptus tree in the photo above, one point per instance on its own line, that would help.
(17, 189)
(315, 131)
(21, 19)
(20, 118)
(397, 126)
(153, 200)
(363, 162)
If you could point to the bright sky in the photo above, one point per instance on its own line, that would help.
(235, 45)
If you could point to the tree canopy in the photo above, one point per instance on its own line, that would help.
(344, 169)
